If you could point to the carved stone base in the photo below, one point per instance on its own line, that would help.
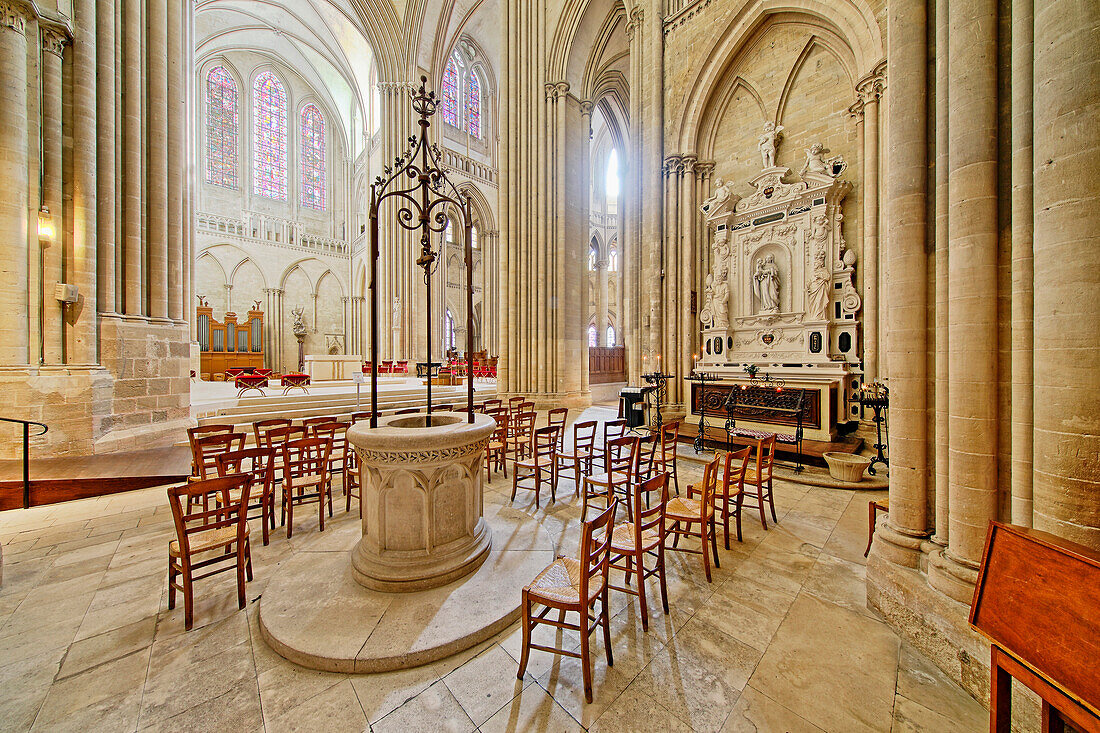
(422, 500)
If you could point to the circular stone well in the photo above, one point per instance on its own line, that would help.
(422, 487)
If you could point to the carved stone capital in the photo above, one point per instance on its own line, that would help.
(672, 165)
(15, 14)
(587, 106)
(636, 17)
(871, 87)
(54, 42)
(687, 164)
(704, 169)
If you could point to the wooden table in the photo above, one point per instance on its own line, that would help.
(290, 381)
(248, 382)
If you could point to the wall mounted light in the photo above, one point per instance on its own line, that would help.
(46, 231)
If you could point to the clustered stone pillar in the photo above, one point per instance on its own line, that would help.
(1009, 420)
(13, 172)
(869, 91)
(1067, 269)
(53, 47)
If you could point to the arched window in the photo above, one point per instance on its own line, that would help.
(593, 256)
(473, 237)
(610, 335)
(450, 92)
(613, 260)
(448, 330)
(269, 137)
(449, 233)
(312, 158)
(221, 128)
(612, 182)
(593, 338)
(473, 105)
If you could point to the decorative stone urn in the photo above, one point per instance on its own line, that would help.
(422, 490)
(846, 466)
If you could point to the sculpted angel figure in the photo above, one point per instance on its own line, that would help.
(815, 161)
(765, 284)
(720, 196)
(768, 142)
(299, 326)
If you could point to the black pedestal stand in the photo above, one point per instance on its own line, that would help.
(879, 402)
(701, 378)
(658, 380)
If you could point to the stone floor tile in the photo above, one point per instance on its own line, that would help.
(333, 709)
(758, 713)
(25, 684)
(533, 709)
(853, 666)
(486, 683)
(107, 697)
(565, 683)
(839, 581)
(119, 642)
(236, 710)
(180, 682)
(920, 680)
(636, 711)
(381, 694)
(433, 709)
(911, 717)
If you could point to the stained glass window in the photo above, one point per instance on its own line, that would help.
(473, 105)
(450, 93)
(221, 128)
(313, 158)
(269, 137)
(610, 335)
(593, 341)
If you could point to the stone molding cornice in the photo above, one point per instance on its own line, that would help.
(395, 87)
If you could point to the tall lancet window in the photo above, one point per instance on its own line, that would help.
(221, 128)
(473, 105)
(450, 93)
(312, 158)
(269, 172)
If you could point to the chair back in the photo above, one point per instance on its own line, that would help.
(653, 517)
(596, 548)
(709, 485)
(262, 427)
(514, 403)
(309, 422)
(256, 463)
(493, 404)
(584, 436)
(647, 449)
(524, 425)
(443, 408)
(277, 437)
(557, 417)
(364, 416)
(186, 500)
(305, 457)
(209, 447)
(765, 457)
(500, 433)
(670, 431)
(546, 441)
(733, 477)
(202, 431)
(337, 432)
(408, 411)
(622, 455)
(613, 429)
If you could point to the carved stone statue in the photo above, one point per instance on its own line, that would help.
(299, 326)
(720, 306)
(765, 284)
(718, 199)
(396, 311)
(769, 142)
(815, 161)
(818, 305)
(706, 315)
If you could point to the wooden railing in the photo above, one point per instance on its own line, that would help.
(606, 364)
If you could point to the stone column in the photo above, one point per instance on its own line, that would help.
(80, 339)
(1022, 266)
(131, 174)
(14, 208)
(942, 407)
(105, 154)
(156, 155)
(601, 299)
(870, 90)
(972, 291)
(1067, 270)
(907, 339)
(636, 338)
(689, 216)
(53, 46)
(176, 165)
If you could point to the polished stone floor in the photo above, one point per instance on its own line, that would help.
(782, 639)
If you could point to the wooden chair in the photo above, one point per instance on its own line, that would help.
(361, 417)
(540, 465)
(513, 405)
(759, 476)
(202, 431)
(340, 460)
(684, 512)
(310, 422)
(647, 464)
(409, 411)
(262, 427)
(580, 456)
(602, 488)
(497, 449)
(570, 585)
(259, 465)
(733, 483)
(666, 460)
(642, 536)
(521, 431)
(493, 404)
(612, 429)
(207, 448)
(558, 417)
(214, 535)
(443, 408)
(873, 508)
(306, 478)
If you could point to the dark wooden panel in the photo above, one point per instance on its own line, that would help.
(606, 364)
(1038, 598)
(712, 398)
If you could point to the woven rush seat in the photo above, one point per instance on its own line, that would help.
(536, 462)
(211, 539)
(560, 581)
(622, 539)
(761, 434)
(685, 510)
